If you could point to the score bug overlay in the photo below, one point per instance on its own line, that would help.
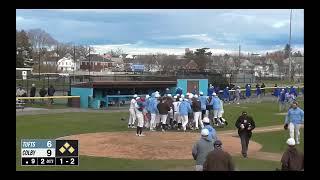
(49, 152)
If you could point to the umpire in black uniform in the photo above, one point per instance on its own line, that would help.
(245, 125)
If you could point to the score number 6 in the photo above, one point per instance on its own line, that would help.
(49, 144)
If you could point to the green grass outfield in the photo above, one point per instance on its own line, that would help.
(272, 141)
(57, 125)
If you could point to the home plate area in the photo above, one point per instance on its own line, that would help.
(155, 145)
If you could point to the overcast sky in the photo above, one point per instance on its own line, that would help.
(169, 31)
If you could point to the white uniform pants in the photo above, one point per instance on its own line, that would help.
(199, 168)
(220, 113)
(177, 117)
(197, 119)
(158, 118)
(294, 130)
(140, 119)
(163, 118)
(132, 117)
(153, 121)
(184, 121)
(216, 113)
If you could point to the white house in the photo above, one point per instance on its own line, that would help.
(66, 64)
(130, 56)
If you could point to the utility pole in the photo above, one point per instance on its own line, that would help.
(89, 64)
(57, 59)
(74, 61)
(290, 63)
(39, 65)
(239, 57)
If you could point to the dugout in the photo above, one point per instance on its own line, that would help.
(102, 94)
(107, 93)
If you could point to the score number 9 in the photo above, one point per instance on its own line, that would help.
(49, 145)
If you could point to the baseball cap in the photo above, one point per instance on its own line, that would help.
(291, 142)
(205, 120)
(214, 94)
(204, 132)
(135, 96)
(201, 93)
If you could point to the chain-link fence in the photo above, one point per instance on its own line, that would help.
(61, 84)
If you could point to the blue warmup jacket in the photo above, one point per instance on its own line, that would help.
(296, 116)
(212, 133)
(153, 106)
(184, 108)
(216, 104)
(203, 101)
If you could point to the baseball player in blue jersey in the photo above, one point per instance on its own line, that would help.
(294, 119)
(184, 110)
(226, 95)
(212, 132)
(210, 90)
(282, 100)
(216, 103)
(258, 93)
(276, 92)
(203, 102)
(248, 92)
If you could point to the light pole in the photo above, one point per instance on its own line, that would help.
(290, 63)
(89, 64)
(74, 61)
(39, 64)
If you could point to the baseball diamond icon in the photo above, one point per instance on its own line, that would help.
(67, 147)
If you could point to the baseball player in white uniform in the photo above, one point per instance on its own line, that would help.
(220, 114)
(176, 116)
(132, 117)
(139, 115)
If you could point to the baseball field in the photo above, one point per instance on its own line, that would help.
(107, 144)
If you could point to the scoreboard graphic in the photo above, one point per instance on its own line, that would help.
(49, 152)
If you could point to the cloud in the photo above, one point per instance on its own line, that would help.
(19, 18)
(281, 24)
(200, 37)
(255, 29)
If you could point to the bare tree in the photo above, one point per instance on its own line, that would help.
(115, 53)
(40, 39)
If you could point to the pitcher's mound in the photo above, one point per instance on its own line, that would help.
(155, 145)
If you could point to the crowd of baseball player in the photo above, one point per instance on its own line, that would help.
(180, 112)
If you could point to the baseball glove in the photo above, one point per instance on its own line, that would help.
(285, 126)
